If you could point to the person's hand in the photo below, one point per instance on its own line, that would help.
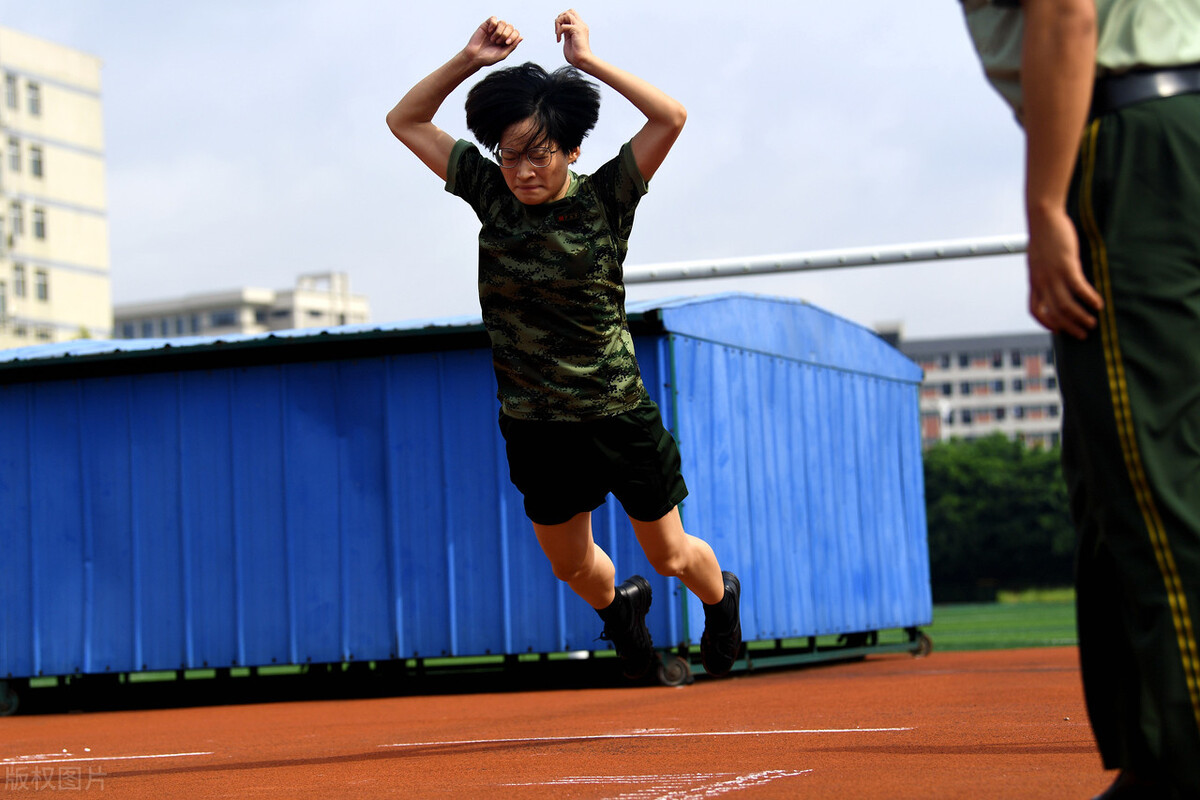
(1060, 298)
(492, 42)
(572, 31)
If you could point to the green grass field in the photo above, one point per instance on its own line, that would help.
(1044, 619)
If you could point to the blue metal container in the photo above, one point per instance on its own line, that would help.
(343, 495)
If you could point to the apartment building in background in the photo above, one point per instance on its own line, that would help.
(316, 301)
(54, 248)
(981, 385)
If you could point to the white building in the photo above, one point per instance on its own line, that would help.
(54, 261)
(981, 385)
(317, 301)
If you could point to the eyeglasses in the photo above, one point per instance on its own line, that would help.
(539, 157)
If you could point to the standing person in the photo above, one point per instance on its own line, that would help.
(577, 421)
(1107, 92)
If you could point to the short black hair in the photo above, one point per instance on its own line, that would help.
(563, 104)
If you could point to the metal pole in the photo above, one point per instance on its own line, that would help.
(827, 259)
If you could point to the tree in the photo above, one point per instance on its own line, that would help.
(998, 518)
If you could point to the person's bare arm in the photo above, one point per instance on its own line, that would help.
(412, 118)
(1057, 73)
(665, 116)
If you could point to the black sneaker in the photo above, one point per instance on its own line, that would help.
(722, 639)
(625, 627)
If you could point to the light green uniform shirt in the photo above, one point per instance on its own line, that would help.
(1133, 34)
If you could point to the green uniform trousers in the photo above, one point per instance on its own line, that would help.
(1131, 437)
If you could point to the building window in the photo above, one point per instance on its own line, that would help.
(997, 360)
(226, 318)
(17, 218)
(947, 389)
(966, 416)
(128, 330)
(10, 90)
(964, 360)
(164, 327)
(964, 388)
(35, 161)
(41, 285)
(944, 361)
(43, 333)
(195, 322)
(179, 326)
(34, 93)
(1001, 412)
(1016, 358)
(20, 332)
(1050, 356)
(1018, 385)
(18, 280)
(1051, 383)
(147, 329)
(997, 386)
(14, 154)
(1052, 411)
(260, 316)
(3, 302)
(1018, 412)
(39, 223)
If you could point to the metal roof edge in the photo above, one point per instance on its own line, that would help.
(791, 338)
(90, 357)
(82, 358)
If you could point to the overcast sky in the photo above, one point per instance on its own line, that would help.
(246, 144)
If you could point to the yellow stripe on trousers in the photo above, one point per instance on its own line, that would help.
(1119, 390)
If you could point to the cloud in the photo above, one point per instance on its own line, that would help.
(246, 145)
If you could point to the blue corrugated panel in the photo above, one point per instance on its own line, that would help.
(358, 508)
(798, 433)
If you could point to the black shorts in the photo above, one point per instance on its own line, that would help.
(565, 468)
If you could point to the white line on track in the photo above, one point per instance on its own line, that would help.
(674, 787)
(41, 760)
(682, 780)
(720, 787)
(646, 735)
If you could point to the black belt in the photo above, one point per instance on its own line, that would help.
(1114, 92)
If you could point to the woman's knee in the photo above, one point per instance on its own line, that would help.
(568, 546)
(670, 563)
(569, 569)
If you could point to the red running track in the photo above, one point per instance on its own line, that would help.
(996, 724)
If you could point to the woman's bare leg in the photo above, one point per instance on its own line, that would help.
(675, 553)
(577, 560)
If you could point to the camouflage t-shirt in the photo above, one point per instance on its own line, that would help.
(551, 288)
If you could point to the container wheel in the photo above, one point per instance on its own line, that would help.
(674, 671)
(8, 699)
